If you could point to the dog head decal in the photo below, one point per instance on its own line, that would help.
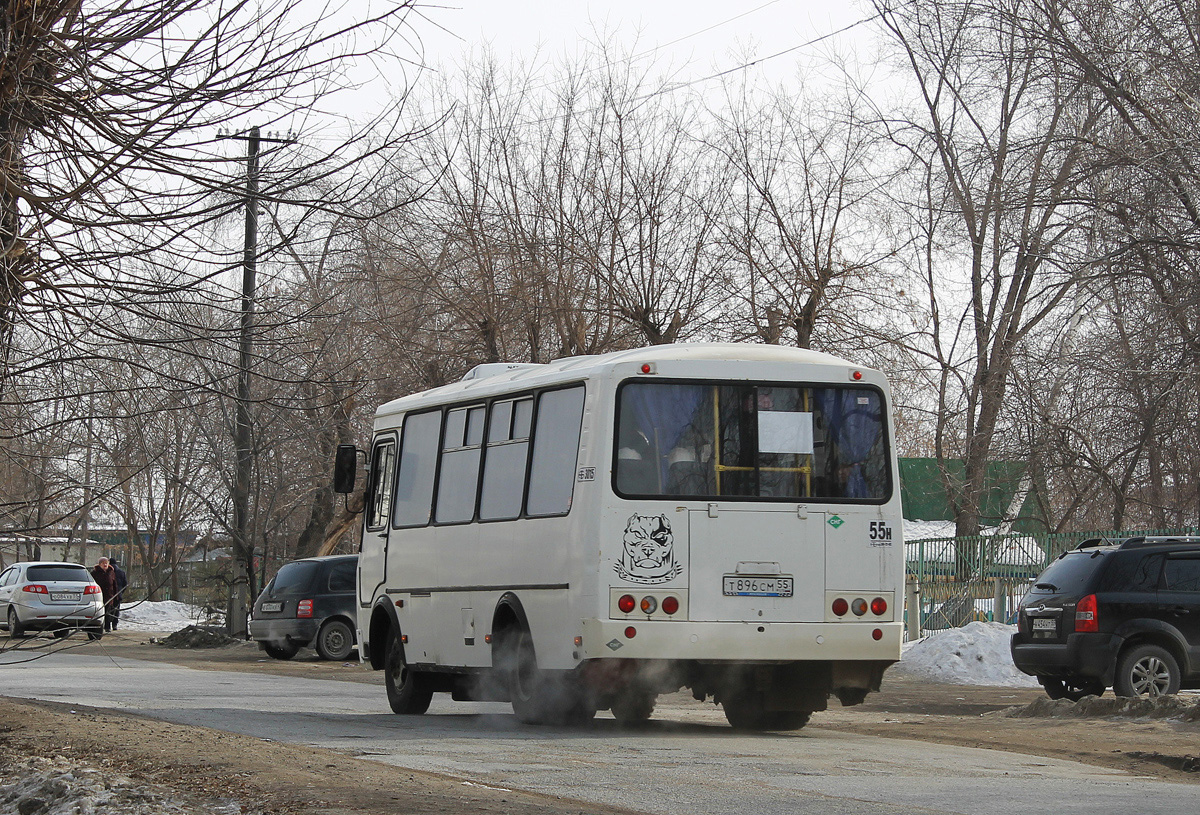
(648, 553)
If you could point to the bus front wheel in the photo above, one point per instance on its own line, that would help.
(408, 690)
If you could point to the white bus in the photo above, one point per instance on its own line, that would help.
(590, 533)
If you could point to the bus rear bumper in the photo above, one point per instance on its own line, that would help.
(740, 642)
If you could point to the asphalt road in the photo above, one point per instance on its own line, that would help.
(686, 761)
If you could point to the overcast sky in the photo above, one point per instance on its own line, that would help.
(699, 34)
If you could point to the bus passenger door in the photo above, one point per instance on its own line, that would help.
(751, 565)
(372, 557)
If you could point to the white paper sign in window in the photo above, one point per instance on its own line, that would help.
(785, 432)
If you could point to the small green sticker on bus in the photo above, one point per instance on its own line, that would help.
(836, 521)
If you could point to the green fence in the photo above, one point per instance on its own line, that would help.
(960, 580)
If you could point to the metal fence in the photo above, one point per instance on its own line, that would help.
(955, 581)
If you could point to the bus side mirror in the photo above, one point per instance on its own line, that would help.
(345, 468)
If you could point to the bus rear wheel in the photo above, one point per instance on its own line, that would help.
(408, 690)
(524, 678)
(633, 707)
(749, 713)
(539, 697)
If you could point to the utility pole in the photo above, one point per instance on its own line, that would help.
(243, 544)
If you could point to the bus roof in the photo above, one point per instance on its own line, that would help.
(499, 377)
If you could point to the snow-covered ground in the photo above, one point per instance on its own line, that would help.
(162, 615)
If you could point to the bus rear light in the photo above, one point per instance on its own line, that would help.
(840, 607)
(626, 603)
(859, 606)
(1087, 620)
(630, 632)
(670, 605)
(578, 641)
(304, 608)
(856, 376)
(877, 634)
(879, 606)
(646, 368)
(649, 605)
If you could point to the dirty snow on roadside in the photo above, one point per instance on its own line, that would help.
(60, 786)
(976, 654)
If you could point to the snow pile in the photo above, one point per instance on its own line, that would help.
(161, 615)
(59, 786)
(976, 654)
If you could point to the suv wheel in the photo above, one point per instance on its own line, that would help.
(1072, 689)
(1146, 670)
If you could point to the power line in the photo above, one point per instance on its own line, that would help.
(650, 52)
(699, 80)
(760, 60)
(681, 85)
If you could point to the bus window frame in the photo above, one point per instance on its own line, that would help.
(527, 440)
(533, 394)
(884, 420)
(533, 426)
(402, 432)
(464, 446)
(380, 441)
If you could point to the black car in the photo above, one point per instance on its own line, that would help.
(309, 602)
(1114, 614)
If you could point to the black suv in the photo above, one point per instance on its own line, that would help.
(309, 602)
(1124, 614)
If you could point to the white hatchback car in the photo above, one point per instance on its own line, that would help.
(47, 596)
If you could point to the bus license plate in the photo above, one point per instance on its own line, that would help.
(268, 607)
(740, 585)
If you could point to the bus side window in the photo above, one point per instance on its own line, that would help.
(505, 460)
(382, 472)
(459, 479)
(555, 452)
(418, 463)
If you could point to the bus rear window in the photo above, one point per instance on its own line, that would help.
(726, 440)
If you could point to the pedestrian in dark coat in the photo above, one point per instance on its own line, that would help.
(119, 597)
(106, 577)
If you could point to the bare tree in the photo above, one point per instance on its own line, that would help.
(109, 118)
(1142, 57)
(562, 222)
(1000, 143)
(118, 191)
(800, 225)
